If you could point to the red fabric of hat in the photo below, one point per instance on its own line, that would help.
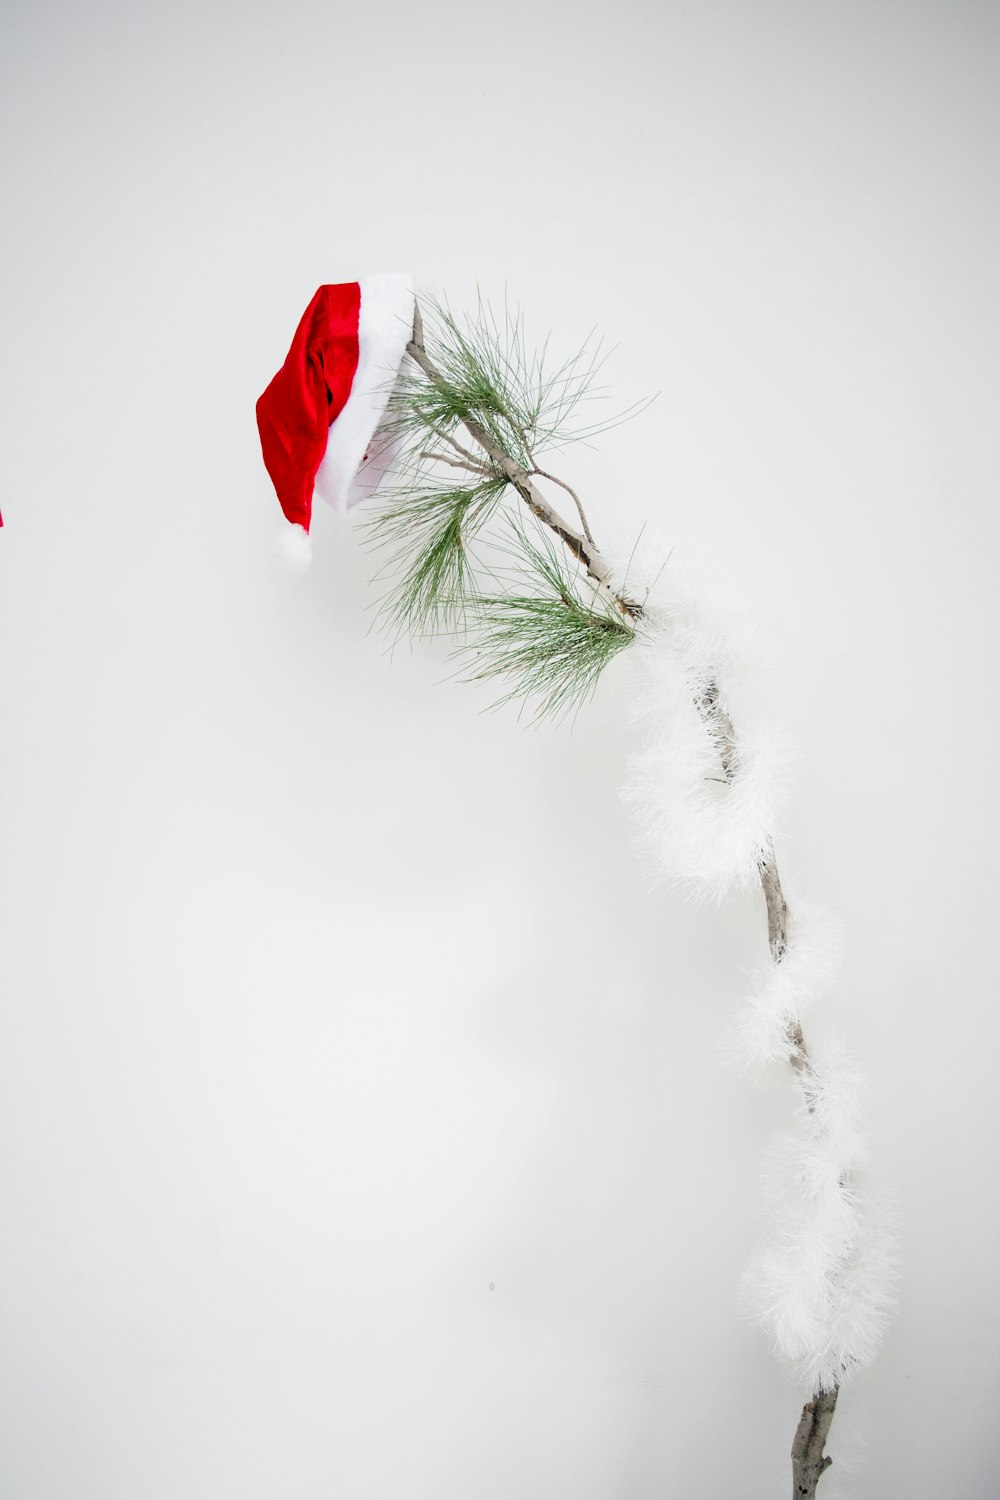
(307, 394)
(318, 417)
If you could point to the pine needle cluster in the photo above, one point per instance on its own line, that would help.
(525, 401)
(535, 622)
(428, 530)
(549, 634)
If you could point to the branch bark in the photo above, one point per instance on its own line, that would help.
(809, 1462)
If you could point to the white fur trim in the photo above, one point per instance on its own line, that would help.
(293, 548)
(385, 322)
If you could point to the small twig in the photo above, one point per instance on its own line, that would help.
(454, 443)
(456, 463)
(576, 500)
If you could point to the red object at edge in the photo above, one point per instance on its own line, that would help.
(307, 394)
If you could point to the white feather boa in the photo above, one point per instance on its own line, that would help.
(820, 1284)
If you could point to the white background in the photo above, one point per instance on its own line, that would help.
(364, 1129)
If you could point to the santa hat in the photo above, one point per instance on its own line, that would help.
(318, 417)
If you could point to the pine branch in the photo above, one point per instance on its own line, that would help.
(462, 407)
(490, 389)
(553, 644)
(545, 633)
(428, 529)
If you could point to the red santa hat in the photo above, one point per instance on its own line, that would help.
(319, 416)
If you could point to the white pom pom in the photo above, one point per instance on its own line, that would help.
(293, 548)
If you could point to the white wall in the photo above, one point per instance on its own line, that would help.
(364, 1132)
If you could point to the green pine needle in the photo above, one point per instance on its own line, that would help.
(544, 629)
(552, 643)
(428, 531)
(523, 402)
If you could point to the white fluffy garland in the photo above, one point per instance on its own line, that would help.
(701, 829)
(820, 1283)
